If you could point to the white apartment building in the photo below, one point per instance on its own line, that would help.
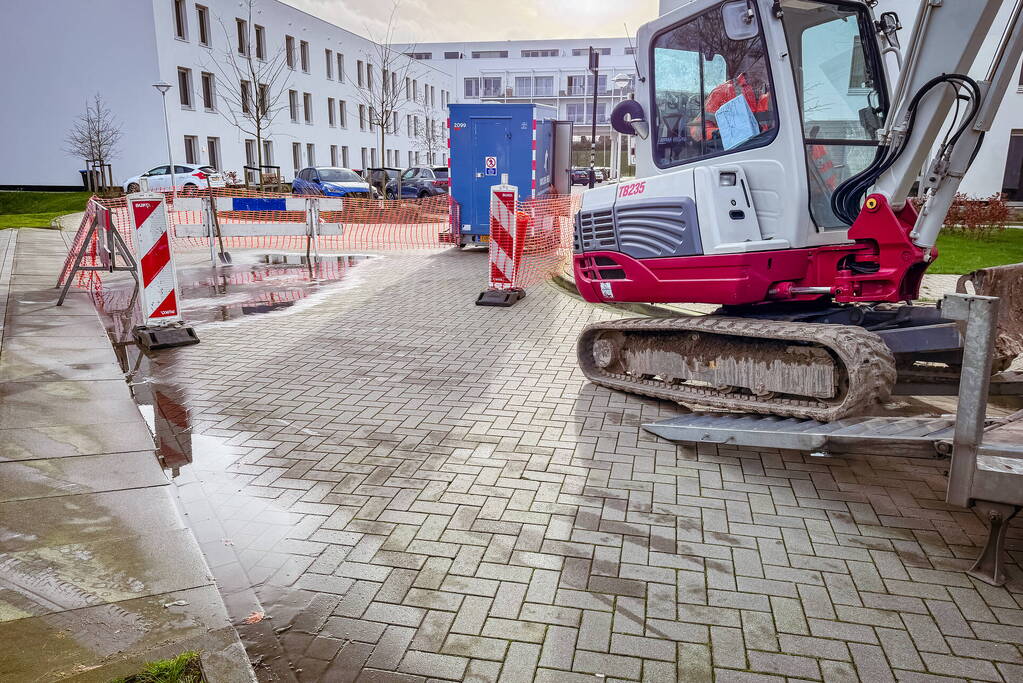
(59, 54)
(552, 72)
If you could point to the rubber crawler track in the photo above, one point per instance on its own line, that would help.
(866, 362)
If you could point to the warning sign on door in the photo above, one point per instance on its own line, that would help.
(490, 164)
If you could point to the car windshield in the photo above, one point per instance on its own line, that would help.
(338, 175)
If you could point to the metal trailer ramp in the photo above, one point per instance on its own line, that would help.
(914, 436)
(986, 456)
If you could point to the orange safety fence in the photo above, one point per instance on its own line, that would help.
(544, 225)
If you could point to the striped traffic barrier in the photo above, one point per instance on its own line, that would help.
(162, 326)
(505, 247)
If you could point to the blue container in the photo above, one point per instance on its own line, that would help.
(489, 140)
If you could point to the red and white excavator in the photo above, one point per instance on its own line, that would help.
(777, 164)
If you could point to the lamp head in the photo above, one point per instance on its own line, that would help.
(162, 86)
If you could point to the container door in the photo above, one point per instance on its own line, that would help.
(492, 141)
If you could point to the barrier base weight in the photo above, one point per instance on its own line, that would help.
(500, 297)
(156, 338)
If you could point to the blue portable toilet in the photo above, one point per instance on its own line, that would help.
(492, 139)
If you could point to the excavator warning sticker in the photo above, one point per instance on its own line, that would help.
(605, 290)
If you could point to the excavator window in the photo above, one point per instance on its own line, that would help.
(839, 84)
(712, 93)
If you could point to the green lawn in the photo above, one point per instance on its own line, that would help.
(958, 254)
(37, 209)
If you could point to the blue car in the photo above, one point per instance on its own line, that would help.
(330, 181)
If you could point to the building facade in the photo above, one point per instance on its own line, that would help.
(322, 96)
(551, 72)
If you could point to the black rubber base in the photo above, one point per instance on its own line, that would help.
(500, 297)
(156, 338)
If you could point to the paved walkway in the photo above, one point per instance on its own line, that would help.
(98, 573)
(413, 487)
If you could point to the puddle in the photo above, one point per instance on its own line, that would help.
(239, 532)
(251, 285)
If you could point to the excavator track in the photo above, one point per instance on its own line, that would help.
(804, 370)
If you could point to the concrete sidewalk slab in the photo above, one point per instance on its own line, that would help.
(93, 550)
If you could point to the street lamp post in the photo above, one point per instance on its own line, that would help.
(621, 82)
(163, 87)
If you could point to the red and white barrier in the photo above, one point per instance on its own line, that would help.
(506, 243)
(158, 280)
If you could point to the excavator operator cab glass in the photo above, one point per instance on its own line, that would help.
(711, 86)
(841, 93)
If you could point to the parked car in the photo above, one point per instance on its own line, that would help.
(189, 177)
(421, 181)
(581, 176)
(330, 181)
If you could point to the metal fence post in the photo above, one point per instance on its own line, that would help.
(981, 316)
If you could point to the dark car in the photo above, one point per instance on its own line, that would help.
(421, 181)
(581, 176)
(330, 181)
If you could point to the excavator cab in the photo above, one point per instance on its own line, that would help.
(757, 112)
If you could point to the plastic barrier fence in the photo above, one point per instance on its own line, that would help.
(544, 239)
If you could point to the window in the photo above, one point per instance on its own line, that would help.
(293, 105)
(330, 112)
(329, 57)
(417, 157)
(209, 96)
(250, 152)
(303, 53)
(344, 155)
(373, 118)
(415, 90)
(373, 156)
(191, 149)
(333, 155)
(433, 96)
(362, 117)
(213, 152)
(698, 70)
(365, 163)
(242, 28)
(202, 16)
(340, 68)
(585, 51)
(843, 104)
(410, 159)
(307, 106)
(491, 86)
(408, 124)
(369, 76)
(394, 82)
(419, 55)
(523, 86)
(185, 87)
(263, 99)
(543, 86)
(246, 93)
(490, 54)
(630, 50)
(583, 85)
(260, 41)
(540, 53)
(180, 21)
(289, 51)
(342, 110)
(472, 87)
(452, 55)
(268, 153)
(296, 155)
(408, 88)
(360, 73)
(310, 154)
(579, 112)
(1012, 183)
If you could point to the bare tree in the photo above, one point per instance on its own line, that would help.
(252, 82)
(95, 135)
(427, 133)
(384, 84)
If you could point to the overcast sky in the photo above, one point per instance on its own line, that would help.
(428, 21)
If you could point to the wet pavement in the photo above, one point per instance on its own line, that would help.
(391, 483)
(98, 572)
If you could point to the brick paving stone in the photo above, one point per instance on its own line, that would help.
(441, 486)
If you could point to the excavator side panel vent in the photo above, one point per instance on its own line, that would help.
(658, 227)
